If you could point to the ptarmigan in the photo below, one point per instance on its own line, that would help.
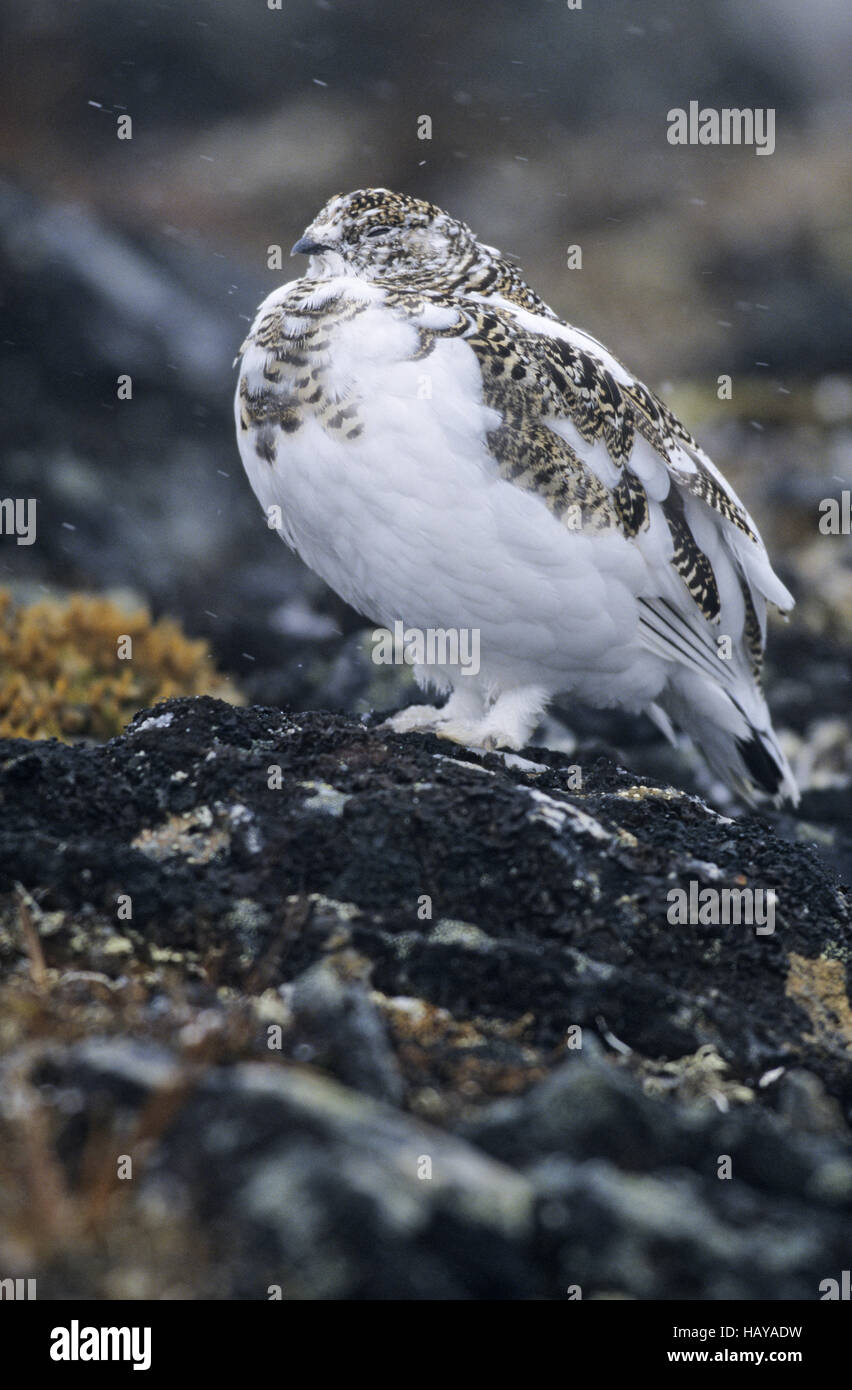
(448, 453)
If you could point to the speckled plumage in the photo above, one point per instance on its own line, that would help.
(447, 452)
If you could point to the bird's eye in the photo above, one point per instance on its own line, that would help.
(377, 231)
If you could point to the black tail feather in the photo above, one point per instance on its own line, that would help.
(760, 763)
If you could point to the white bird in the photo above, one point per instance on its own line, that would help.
(445, 452)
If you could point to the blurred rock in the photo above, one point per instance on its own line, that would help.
(343, 1032)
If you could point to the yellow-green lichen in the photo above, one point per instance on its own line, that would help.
(65, 671)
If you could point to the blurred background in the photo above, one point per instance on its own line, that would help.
(148, 256)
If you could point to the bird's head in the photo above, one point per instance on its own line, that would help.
(388, 236)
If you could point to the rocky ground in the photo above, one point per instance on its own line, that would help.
(373, 1016)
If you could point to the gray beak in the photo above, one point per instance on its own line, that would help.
(306, 246)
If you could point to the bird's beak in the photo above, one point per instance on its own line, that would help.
(306, 246)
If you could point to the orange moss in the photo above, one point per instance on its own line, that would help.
(61, 675)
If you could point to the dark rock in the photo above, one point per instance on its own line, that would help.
(479, 950)
(299, 1183)
(343, 1032)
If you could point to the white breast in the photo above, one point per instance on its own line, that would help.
(411, 521)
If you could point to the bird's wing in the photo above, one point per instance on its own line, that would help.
(605, 453)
